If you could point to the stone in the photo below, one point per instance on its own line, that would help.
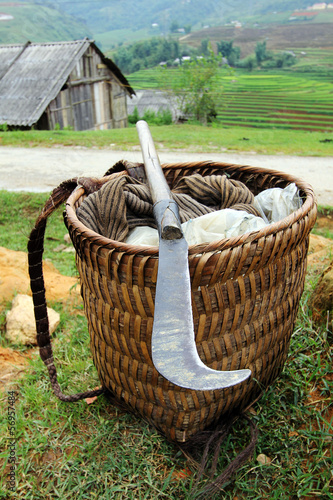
(64, 248)
(14, 278)
(20, 321)
(263, 459)
(67, 239)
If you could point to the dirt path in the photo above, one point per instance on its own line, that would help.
(42, 169)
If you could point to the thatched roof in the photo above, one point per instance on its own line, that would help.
(32, 75)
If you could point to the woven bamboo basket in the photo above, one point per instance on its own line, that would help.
(245, 297)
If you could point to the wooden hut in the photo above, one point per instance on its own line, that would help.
(61, 84)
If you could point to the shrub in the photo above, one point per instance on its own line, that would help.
(134, 117)
(248, 63)
(163, 117)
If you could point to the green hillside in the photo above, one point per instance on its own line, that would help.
(113, 22)
(105, 15)
(38, 23)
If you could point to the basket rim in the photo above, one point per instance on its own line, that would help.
(212, 247)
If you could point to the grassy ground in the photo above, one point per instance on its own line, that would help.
(194, 138)
(81, 451)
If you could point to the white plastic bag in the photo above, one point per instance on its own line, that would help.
(210, 227)
(143, 235)
(220, 224)
(276, 203)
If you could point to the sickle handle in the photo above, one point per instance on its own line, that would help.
(165, 209)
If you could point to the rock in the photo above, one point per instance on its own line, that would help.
(67, 239)
(322, 299)
(20, 321)
(14, 278)
(64, 248)
(60, 248)
(263, 459)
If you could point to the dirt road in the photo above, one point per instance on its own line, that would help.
(42, 169)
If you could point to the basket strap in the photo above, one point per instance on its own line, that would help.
(35, 257)
(213, 441)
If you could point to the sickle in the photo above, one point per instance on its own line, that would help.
(174, 351)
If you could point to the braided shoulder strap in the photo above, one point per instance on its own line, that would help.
(35, 256)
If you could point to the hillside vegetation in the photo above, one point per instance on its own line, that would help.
(38, 23)
(113, 22)
(106, 15)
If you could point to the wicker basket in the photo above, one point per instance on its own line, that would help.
(245, 296)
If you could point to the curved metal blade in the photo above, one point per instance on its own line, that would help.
(174, 350)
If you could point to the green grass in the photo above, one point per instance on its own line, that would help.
(79, 451)
(194, 138)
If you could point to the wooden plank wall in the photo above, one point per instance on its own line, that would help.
(92, 98)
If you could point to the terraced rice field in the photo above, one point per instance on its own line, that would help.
(281, 100)
(319, 58)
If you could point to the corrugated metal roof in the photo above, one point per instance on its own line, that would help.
(8, 56)
(35, 74)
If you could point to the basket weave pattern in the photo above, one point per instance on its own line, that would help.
(245, 296)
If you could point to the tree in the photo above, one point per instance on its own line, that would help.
(174, 27)
(261, 53)
(248, 63)
(146, 54)
(196, 89)
(224, 48)
(227, 50)
(205, 47)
